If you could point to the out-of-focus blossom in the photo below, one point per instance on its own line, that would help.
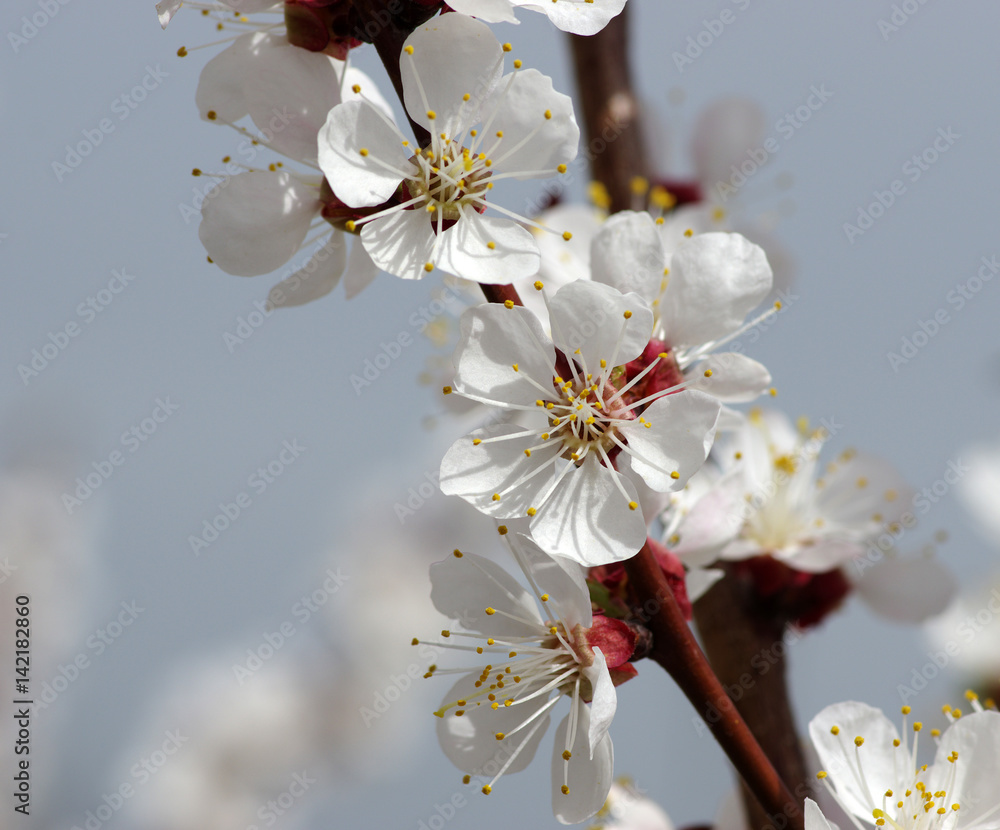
(761, 503)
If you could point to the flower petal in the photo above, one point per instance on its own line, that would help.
(588, 520)
(492, 340)
(588, 779)
(724, 133)
(462, 588)
(604, 702)
(289, 92)
(627, 254)
(360, 271)
(492, 11)
(840, 757)
(469, 741)
(908, 589)
(815, 820)
(165, 10)
(590, 317)
(223, 79)
(564, 260)
(979, 487)
(400, 243)
(976, 740)
(699, 580)
(712, 521)
(559, 577)
(254, 222)
(361, 180)
(586, 18)
(477, 472)
(861, 487)
(819, 556)
(317, 278)
(352, 76)
(452, 56)
(735, 377)
(466, 249)
(678, 441)
(715, 281)
(538, 126)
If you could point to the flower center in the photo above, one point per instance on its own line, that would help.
(586, 420)
(448, 178)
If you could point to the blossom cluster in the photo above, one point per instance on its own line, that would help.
(604, 380)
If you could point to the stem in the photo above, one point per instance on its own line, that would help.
(501, 293)
(610, 110)
(675, 648)
(744, 651)
(388, 34)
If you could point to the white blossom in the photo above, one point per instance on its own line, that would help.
(544, 644)
(561, 473)
(485, 126)
(701, 288)
(764, 496)
(874, 774)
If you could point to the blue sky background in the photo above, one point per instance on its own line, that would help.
(163, 337)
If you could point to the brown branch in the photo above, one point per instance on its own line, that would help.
(501, 294)
(748, 655)
(610, 110)
(675, 648)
